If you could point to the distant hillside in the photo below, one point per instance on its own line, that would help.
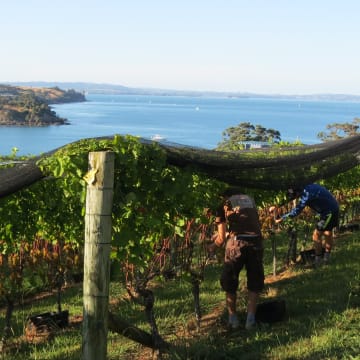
(50, 95)
(29, 106)
(96, 88)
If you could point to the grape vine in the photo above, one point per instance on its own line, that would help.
(43, 225)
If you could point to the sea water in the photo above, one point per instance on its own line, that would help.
(194, 121)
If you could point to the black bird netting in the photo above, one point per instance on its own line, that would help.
(271, 168)
(17, 176)
(267, 168)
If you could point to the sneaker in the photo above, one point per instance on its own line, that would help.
(233, 321)
(250, 325)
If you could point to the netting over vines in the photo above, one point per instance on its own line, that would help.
(268, 168)
(272, 168)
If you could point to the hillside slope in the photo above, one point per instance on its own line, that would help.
(27, 106)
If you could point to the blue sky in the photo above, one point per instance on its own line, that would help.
(261, 46)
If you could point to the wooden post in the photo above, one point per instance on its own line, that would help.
(99, 199)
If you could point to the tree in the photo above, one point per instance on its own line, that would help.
(234, 137)
(340, 130)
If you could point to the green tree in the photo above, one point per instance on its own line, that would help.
(337, 131)
(233, 138)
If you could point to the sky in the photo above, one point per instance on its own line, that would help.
(256, 46)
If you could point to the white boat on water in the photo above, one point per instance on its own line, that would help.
(157, 137)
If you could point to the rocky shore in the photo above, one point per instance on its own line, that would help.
(27, 106)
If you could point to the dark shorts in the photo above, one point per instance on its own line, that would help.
(252, 259)
(328, 222)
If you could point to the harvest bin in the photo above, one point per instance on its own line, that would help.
(51, 319)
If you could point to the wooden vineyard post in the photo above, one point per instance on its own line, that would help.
(99, 199)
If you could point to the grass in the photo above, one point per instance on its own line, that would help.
(323, 316)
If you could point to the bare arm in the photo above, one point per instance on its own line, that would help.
(221, 235)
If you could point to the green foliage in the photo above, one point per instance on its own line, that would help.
(337, 131)
(235, 136)
(284, 144)
(344, 181)
(151, 199)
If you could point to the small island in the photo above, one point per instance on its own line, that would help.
(28, 106)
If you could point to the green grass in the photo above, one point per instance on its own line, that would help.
(323, 319)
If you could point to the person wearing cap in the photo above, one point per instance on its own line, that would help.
(319, 199)
(239, 227)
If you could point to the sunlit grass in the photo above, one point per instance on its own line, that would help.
(322, 323)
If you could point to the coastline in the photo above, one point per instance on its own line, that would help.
(189, 121)
(30, 107)
(117, 89)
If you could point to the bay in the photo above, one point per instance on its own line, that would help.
(194, 121)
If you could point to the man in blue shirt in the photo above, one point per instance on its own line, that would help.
(325, 205)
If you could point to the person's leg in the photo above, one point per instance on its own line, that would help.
(255, 283)
(329, 242)
(231, 307)
(317, 239)
(253, 298)
(230, 303)
(328, 237)
(229, 282)
(324, 231)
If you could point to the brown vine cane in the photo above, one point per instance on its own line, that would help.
(173, 257)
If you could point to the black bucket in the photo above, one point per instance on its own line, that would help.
(51, 319)
(271, 311)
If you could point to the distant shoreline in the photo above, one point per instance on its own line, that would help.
(98, 88)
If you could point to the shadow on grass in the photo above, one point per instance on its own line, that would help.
(316, 299)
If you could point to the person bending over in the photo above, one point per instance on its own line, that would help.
(319, 199)
(238, 225)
